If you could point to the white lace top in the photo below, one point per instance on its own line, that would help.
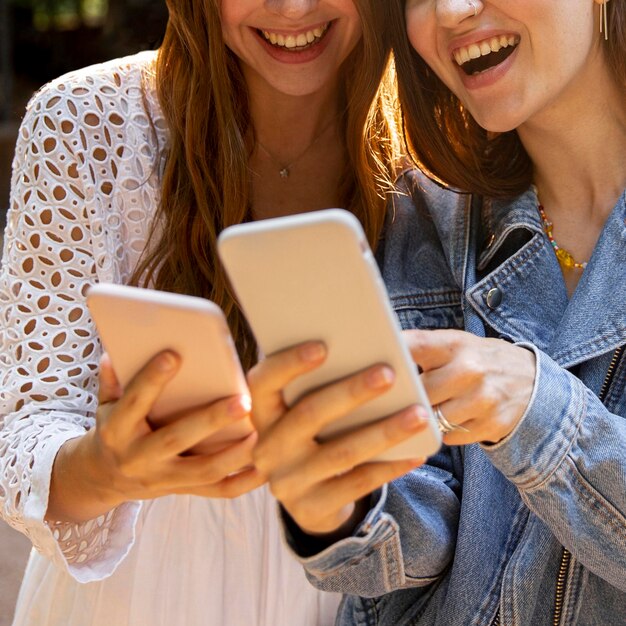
(84, 189)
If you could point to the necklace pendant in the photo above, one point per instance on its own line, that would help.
(284, 173)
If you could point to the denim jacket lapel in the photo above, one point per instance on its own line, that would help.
(533, 302)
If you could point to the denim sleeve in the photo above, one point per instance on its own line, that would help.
(567, 458)
(406, 540)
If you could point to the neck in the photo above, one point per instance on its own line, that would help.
(287, 124)
(298, 162)
(578, 148)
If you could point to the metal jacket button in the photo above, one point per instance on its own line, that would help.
(494, 298)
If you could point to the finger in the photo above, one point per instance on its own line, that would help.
(131, 409)
(431, 349)
(345, 453)
(269, 377)
(290, 436)
(231, 487)
(473, 432)
(200, 470)
(188, 430)
(446, 382)
(109, 388)
(317, 511)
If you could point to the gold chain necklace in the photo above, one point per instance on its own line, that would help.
(284, 170)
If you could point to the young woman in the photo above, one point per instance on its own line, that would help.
(126, 172)
(521, 519)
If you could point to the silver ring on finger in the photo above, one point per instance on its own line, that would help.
(446, 426)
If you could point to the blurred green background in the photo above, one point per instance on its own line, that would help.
(42, 39)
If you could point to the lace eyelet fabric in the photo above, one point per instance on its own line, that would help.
(84, 190)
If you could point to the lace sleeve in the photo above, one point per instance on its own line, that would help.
(49, 351)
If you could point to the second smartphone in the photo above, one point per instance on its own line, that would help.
(312, 276)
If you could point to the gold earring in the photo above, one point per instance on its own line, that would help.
(604, 20)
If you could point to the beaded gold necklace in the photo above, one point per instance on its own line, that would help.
(566, 260)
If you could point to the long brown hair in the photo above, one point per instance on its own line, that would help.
(205, 185)
(442, 136)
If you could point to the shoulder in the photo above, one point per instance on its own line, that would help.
(114, 78)
(111, 95)
(427, 208)
(414, 256)
(426, 192)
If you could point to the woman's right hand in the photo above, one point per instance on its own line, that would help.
(124, 459)
(317, 483)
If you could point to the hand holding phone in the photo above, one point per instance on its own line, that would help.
(312, 276)
(135, 324)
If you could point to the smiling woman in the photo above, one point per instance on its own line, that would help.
(521, 517)
(125, 172)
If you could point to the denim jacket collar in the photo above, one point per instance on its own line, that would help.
(570, 331)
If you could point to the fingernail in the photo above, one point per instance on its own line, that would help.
(239, 406)
(312, 352)
(413, 418)
(380, 377)
(166, 361)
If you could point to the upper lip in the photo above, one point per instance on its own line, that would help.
(293, 32)
(476, 37)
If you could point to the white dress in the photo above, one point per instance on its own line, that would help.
(84, 189)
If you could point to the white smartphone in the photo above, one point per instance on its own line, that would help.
(135, 324)
(312, 276)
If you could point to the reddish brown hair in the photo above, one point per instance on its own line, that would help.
(206, 180)
(442, 136)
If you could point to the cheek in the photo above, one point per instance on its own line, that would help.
(417, 32)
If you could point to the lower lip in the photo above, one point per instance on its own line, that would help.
(490, 76)
(299, 56)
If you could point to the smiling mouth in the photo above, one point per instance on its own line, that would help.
(296, 43)
(482, 56)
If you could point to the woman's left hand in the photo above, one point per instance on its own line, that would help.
(483, 385)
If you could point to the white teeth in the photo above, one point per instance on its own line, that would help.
(295, 41)
(483, 48)
(474, 51)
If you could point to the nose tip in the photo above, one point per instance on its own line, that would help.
(292, 9)
(451, 13)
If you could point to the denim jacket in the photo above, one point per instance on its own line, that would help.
(477, 535)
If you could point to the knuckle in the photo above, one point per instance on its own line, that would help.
(489, 399)
(358, 386)
(363, 481)
(340, 456)
(392, 430)
(169, 440)
(473, 369)
(303, 413)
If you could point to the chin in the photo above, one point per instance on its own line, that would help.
(497, 123)
(297, 89)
